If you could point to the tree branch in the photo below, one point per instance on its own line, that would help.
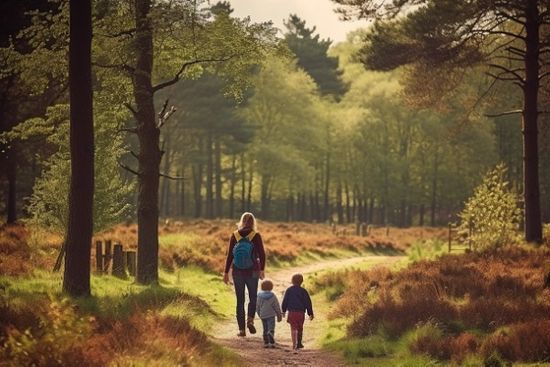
(501, 33)
(184, 66)
(505, 70)
(129, 106)
(132, 130)
(171, 177)
(122, 165)
(123, 67)
(507, 79)
(165, 115)
(516, 51)
(513, 112)
(126, 32)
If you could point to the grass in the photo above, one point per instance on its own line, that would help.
(442, 311)
(125, 324)
(122, 324)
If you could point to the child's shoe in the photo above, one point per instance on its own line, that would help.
(299, 344)
(241, 333)
(266, 345)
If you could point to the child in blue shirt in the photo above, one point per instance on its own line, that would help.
(267, 307)
(297, 301)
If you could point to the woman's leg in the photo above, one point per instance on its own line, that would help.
(252, 286)
(239, 283)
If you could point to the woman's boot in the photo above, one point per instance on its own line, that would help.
(250, 325)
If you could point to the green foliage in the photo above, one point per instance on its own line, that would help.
(492, 212)
(311, 52)
(60, 329)
(426, 250)
(49, 203)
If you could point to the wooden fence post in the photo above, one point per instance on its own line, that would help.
(131, 262)
(357, 228)
(118, 261)
(99, 256)
(107, 256)
(387, 231)
(364, 230)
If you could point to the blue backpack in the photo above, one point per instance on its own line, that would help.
(243, 251)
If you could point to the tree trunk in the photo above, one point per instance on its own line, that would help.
(348, 202)
(326, 210)
(76, 279)
(243, 184)
(264, 199)
(250, 182)
(232, 186)
(209, 177)
(182, 194)
(533, 225)
(434, 188)
(339, 208)
(197, 187)
(165, 189)
(218, 183)
(12, 185)
(290, 208)
(149, 152)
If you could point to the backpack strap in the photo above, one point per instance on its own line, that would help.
(238, 236)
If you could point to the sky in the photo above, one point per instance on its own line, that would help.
(319, 13)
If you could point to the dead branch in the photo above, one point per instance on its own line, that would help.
(122, 165)
(171, 177)
(129, 107)
(514, 112)
(132, 130)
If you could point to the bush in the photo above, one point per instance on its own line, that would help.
(492, 213)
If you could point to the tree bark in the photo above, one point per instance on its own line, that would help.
(250, 182)
(243, 184)
(197, 187)
(264, 197)
(218, 183)
(76, 279)
(12, 186)
(433, 206)
(339, 208)
(209, 177)
(149, 152)
(533, 225)
(165, 189)
(232, 186)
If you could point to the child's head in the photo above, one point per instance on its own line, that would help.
(267, 285)
(297, 279)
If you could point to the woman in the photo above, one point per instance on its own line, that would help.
(246, 257)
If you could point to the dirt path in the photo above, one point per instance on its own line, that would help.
(251, 347)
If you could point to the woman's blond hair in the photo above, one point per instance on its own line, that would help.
(247, 221)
